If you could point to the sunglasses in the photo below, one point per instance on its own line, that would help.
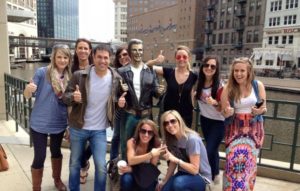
(213, 67)
(179, 57)
(144, 132)
(172, 121)
(123, 55)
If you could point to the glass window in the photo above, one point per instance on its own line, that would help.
(270, 40)
(283, 40)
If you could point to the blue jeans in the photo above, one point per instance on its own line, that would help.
(183, 181)
(78, 140)
(213, 132)
(115, 141)
(128, 183)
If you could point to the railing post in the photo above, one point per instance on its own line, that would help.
(295, 139)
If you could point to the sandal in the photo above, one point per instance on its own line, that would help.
(84, 173)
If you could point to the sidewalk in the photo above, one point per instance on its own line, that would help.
(20, 155)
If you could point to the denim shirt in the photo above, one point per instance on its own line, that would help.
(49, 114)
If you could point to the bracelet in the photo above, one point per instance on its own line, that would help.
(151, 155)
(179, 161)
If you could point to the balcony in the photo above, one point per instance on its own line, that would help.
(241, 13)
(208, 31)
(238, 45)
(210, 7)
(242, 1)
(209, 19)
(240, 28)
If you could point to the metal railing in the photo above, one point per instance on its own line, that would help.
(281, 149)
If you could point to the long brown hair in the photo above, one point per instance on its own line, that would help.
(154, 142)
(234, 92)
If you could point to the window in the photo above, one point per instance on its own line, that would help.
(220, 39)
(249, 36)
(250, 21)
(227, 23)
(232, 38)
(291, 38)
(269, 62)
(257, 20)
(229, 10)
(270, 40)
(274, 21)
(276, 39)
(221, 24)
(276, 5)
(252, 5)
(290, 19)
(283, 40)
(290, 4)
(226, 39)
(214, 39)
(255, 36)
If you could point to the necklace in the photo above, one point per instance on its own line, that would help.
(180, 90)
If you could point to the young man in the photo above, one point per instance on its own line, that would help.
(92, 93)
(142, 85)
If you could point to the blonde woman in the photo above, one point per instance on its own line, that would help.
(180, 81)
(243, 102)
(49, 114)
(185, 151)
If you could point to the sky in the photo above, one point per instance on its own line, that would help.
(96, 20)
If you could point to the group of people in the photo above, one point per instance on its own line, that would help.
(91, 94)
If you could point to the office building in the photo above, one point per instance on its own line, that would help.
(121, 20)
(163, 25)
(280, 51)
(233, 28)
(58, 19)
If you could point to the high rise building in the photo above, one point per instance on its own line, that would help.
(233, 28)
(121, 20)
(280, 51)
(58, 19)
(163, 25)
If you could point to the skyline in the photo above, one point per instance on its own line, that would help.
(96, 20)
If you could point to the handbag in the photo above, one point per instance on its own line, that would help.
(113, 175)
(3, 159)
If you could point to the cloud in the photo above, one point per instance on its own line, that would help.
(96, 19)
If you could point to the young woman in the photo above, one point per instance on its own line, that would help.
(180, 82)
(81, 59)
(244, 133)
(49, 114)
(212, 121)
(121, 59)
(186, 151)
(144, 147)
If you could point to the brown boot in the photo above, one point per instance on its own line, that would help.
(56, 172)
(37, 176)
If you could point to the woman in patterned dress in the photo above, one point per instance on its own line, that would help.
(244, 133)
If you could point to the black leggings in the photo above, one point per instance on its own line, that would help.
(40, 147)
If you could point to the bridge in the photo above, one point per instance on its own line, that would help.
(40, 42)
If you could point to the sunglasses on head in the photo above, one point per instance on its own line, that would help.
(213, 67)
(179, 57)
(172, 121)
(144, 132)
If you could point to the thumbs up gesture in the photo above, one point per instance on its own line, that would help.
(122, 100)
(228, 110)
(31, 87)
(124, 86)
(211, 101)
(77, 95)
(160, 58)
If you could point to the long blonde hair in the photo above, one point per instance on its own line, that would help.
(183, 129)
(234, 92)
(66, 51)
(188, 50)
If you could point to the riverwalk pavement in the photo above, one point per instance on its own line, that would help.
(20, 155)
